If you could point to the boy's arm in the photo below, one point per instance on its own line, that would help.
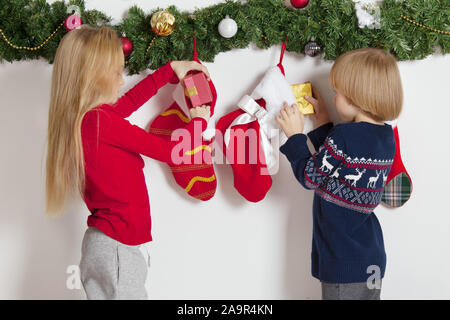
(134, 98)
(311, 170)
(318, 135)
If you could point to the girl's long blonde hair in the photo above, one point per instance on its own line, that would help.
(81, 80)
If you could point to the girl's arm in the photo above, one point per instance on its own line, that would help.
(171, 72)
(134, 98)
(119, 132)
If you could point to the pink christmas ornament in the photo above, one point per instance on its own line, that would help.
(72, 22)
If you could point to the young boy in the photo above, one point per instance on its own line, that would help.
(348, 171)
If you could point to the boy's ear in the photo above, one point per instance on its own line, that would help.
(356, 110)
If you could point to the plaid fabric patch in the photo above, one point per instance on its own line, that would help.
(397, 191)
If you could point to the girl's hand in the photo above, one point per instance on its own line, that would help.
(202, 112)
(320, 111)
(291, 120)
(181, 68)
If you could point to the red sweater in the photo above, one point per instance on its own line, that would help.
(116, 193)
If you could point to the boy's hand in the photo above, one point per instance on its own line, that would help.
(202, 112)
(181, 68)
(291, 120)
(320, 111)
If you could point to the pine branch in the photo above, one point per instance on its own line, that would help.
(262, 22)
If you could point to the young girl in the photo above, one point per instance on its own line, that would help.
(92, 149)
(348, 171)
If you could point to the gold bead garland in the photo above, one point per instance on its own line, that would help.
(424, 26)
(30, 48)
(150, 44)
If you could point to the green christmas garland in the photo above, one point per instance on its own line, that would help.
(410, 30)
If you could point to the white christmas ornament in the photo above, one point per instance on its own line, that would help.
(227, 27)
(368, 13)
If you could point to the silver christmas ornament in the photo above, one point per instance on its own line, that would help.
(312, 49)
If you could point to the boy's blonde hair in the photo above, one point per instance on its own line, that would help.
(81, 80)
(369, 78)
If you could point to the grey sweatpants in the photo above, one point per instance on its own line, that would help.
(110, 269)
(349, 291)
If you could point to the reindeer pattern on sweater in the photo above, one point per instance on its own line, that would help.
(341, 174)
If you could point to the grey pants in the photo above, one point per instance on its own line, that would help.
(111, 270)
(349, 291)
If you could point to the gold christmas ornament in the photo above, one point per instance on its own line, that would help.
(162, 23)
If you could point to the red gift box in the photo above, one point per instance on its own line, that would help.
(197, 89)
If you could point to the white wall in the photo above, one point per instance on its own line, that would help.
(225, 248)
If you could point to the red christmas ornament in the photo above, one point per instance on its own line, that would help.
(299, 3)
(72, 22)
(127, 46)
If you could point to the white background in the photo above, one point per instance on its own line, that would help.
(225, 248)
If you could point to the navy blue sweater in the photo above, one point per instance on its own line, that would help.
(348, 173)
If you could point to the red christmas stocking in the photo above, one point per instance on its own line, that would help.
(398, 186)
(195, 171)
(246, 134)
(245, 155)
